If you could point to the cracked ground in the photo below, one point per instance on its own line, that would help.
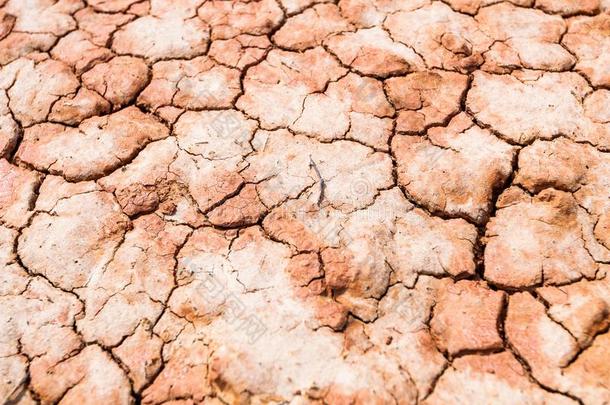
(304, 202)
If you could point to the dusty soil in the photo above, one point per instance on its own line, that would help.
(298, 201)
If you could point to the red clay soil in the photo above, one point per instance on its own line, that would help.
(304, 202)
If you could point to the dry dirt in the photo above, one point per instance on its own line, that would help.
(304, 202)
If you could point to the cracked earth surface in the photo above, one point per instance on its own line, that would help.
(304, 201)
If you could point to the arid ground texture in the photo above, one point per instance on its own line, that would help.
(345, 202)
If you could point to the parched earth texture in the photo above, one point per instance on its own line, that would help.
(304, 202)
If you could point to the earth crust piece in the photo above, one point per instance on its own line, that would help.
(304, 202)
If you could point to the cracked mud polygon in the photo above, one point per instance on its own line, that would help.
(304, 202)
